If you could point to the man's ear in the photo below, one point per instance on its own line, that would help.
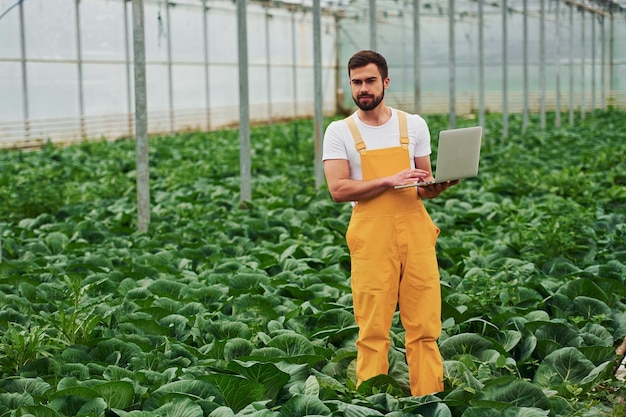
(386, 82)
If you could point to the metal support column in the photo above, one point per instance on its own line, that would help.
(542, 62)
(294, 63)
(373, 35)
(268, 66)
(141, 118)
(481, 62)
(593, 62)
(525, 69)
(557, 120)
(417, 90)
(244, 104)
(571, 65)
(207, 78)
(129, 95)
(451, 64)
(79, 68)
(612, 75)
(602, 63)
(317, 86)
(170, 78)
(505, 81)
(583, 110)
(25, 102)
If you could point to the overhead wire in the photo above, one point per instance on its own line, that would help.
(6, 12)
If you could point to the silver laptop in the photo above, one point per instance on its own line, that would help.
(458, 154)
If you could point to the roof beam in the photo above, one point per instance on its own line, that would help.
(588, 8)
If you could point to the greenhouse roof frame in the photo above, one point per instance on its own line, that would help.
(339, 8)
(611, 5)
(601, 7)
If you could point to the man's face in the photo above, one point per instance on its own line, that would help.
(368, 87)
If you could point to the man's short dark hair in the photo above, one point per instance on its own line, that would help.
(363, 58)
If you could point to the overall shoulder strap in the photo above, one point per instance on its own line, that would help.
(356, 135)
(404, 129)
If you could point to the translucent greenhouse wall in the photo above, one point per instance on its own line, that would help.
(574, 41)
(66, 67)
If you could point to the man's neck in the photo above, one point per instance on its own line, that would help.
(375, 117)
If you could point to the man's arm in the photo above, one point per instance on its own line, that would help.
(343, 189)
(423, 162)
(432, 190)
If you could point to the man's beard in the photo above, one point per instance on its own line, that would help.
(370, 106)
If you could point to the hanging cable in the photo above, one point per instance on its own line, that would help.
(6, 12)
(160, 23)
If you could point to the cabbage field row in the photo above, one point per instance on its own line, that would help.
(223, 309)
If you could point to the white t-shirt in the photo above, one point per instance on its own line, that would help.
(339, 144)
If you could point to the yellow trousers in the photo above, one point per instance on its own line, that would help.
(394, 264)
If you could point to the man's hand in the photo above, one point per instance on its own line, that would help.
(410, 175)
(433, 190)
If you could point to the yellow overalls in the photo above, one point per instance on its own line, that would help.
(392, 246)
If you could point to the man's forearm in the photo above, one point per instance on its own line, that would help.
(357, 190)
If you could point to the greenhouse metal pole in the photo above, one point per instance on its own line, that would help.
(505, 81)
(244, 104)
(481, 62)
(317, 71)
(557, 120)
(417, 91)
(612, 79)
(593, 62)
(571, 65)
(170, 78)
(129, 95)
(141, 119)
(25, 105)
(525, 66)
(404, 54)
(582, 65)
(451, 65)
(294, 63)
(602, 63)
(268, 67)
(207, 78)
(79, 68)
(542, 62)
(372, 7)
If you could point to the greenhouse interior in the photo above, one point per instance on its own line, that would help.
(171, 246)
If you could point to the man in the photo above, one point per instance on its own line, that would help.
(390, 236)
